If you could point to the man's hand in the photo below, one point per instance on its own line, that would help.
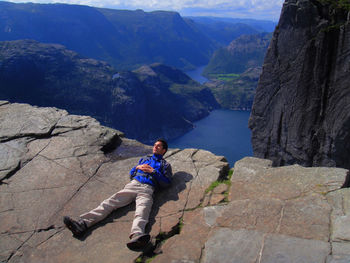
(145, 168)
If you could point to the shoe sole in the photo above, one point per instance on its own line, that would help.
(140, 243)
(70, 226)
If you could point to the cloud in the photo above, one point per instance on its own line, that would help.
(267, 9)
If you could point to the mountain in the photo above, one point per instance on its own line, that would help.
(125, 39)
(153, 101)
(237, 92)
(221, 31)
(224, 30)
(301, 109)
(161, 36)
(258, 25)
(246, 51)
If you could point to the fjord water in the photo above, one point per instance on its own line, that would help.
(196, 74)
(223, 132)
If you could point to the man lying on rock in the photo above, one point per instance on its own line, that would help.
(150, 173)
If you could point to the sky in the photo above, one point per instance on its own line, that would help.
(256, 9)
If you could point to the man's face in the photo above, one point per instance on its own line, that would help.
(158, 148)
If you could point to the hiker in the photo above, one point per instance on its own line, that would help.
(152, 172)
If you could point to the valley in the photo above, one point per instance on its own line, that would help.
(128, 69)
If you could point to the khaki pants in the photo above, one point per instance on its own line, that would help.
(141, 193)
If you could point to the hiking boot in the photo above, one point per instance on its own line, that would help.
(78, 228)
(138, 241)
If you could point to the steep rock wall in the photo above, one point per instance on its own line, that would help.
(301, 109)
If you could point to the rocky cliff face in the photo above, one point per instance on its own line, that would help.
(301, 108)
(153, 101)
(54, 164)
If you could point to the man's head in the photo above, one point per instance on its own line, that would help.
(160, 147)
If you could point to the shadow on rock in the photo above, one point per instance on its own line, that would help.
(169, 194)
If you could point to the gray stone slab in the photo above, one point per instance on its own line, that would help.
(235, 246)
(286, 249)
(12, 153)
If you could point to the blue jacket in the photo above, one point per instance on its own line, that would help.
(161, 176)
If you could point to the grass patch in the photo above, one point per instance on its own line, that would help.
(224, 77)
(226, 180)
(228, 183)
(212, 186)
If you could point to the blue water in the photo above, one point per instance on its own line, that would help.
(223, 132)
(197, 75)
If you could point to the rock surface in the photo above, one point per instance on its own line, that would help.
(286, 214)
(301, 111)
(56, 164)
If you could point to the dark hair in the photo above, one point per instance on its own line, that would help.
(164, 143)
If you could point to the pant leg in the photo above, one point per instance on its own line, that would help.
(144, 202)
(119, 199)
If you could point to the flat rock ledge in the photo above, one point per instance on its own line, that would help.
(284, 214)
(54, 164)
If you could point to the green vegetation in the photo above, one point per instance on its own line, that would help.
(337, 4)
(212, 186)
(185, 89)
(228, 183)
(226, 180)
(224, 77)
(235, 71)
(235, 91)
(338, 14)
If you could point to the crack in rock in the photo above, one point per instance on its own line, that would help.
(262, 248)
(19, 247)
(78, 190)
(277, 230)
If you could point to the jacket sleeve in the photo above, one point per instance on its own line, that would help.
(163, 176)
(133, 170)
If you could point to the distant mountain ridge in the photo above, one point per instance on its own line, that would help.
(258, 25)
(224, 30)
(153, 101)
(244, 52)
(125, 39)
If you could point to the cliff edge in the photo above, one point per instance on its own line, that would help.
(301, 108)
(54, 164)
